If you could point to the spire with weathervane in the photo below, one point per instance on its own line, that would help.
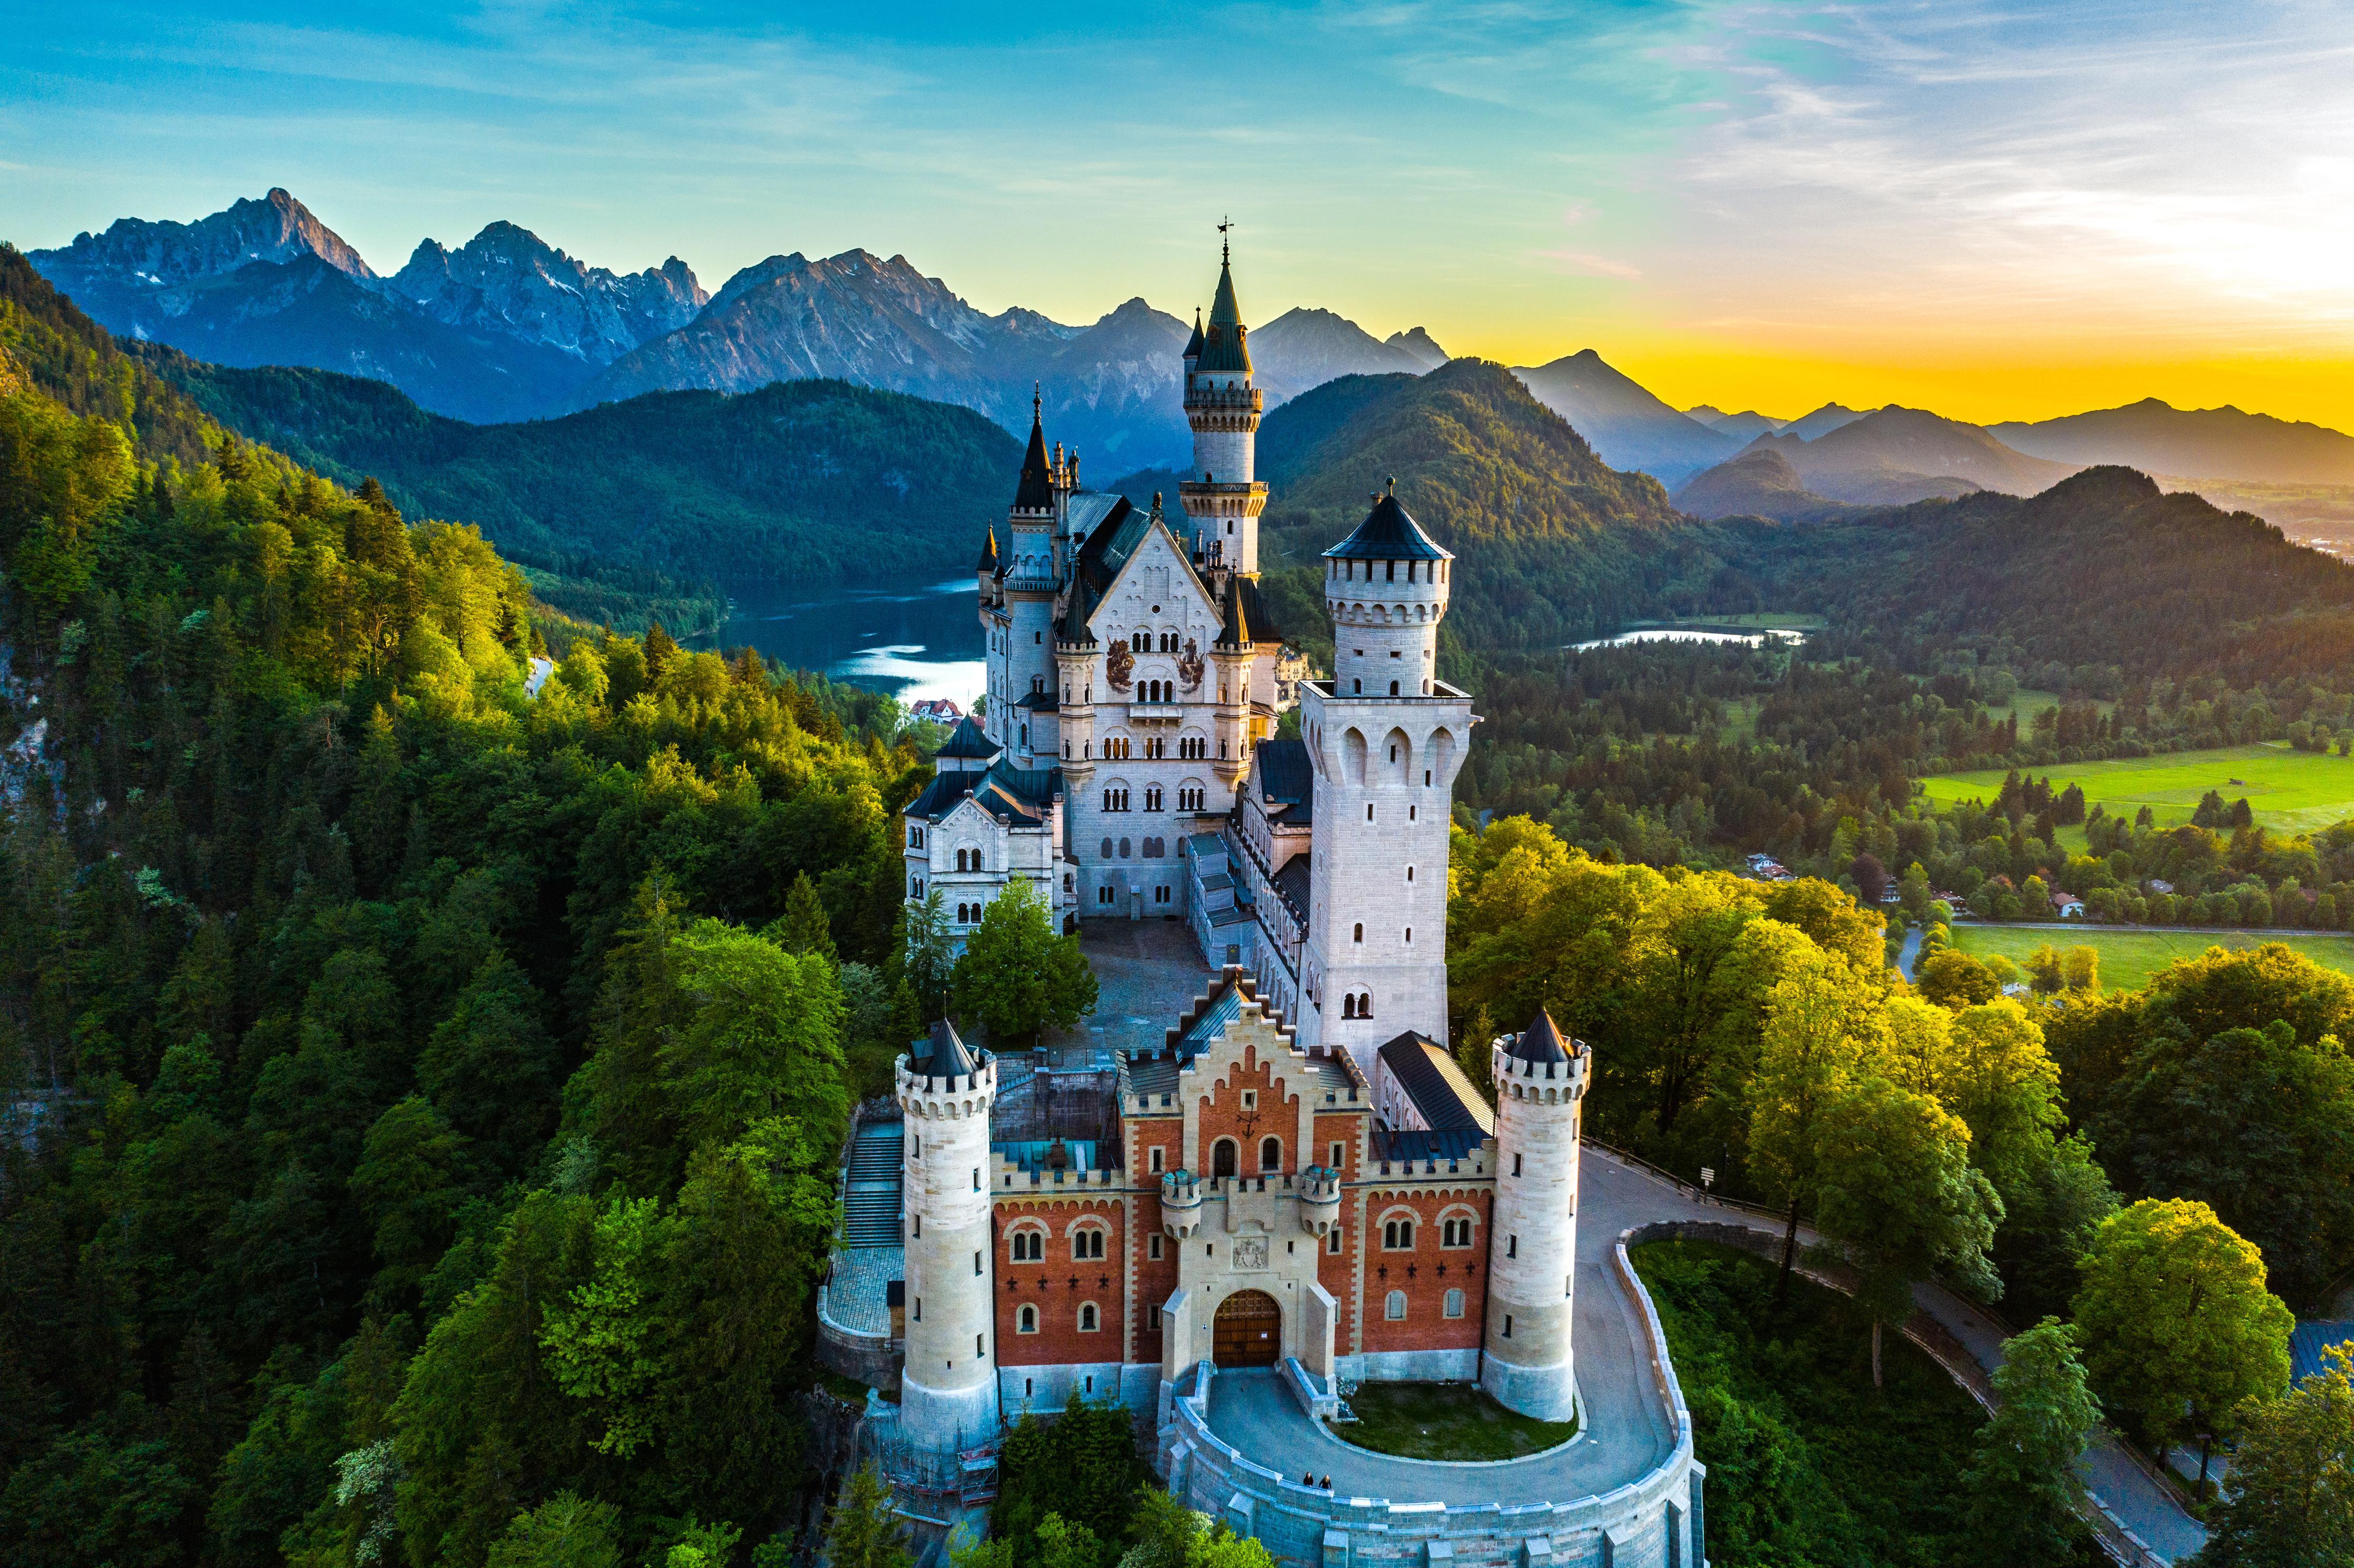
(1222, 495)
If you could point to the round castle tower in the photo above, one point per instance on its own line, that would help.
(1387, 586)
(1532, 1245)
(949, 1396)
(1224, 494)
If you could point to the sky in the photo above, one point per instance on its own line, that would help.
(1993, 208)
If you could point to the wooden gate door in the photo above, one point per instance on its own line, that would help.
(1249, 1330)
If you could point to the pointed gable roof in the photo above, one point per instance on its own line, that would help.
(1236, 631)
(967, 742)
(1036, 491)
(1389, 532)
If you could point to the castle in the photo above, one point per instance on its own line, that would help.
(1300, 1175)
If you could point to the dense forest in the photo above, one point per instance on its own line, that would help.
(422, 1102)
(800, 481)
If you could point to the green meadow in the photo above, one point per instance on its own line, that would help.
(2128, 957)
(2290, 792)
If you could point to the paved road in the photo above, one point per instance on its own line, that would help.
(1910, 951)
(1626, 1432)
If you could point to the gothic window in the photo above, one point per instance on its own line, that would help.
(1088, 1243)
(1222, 1158)
(915, 837)
(1152, 797)
(1393, 1306)
(1190, 800)
(1365, 1004)
(1038, 684)
(1455, 1303)
(1349, 1006)
(1270, 1154)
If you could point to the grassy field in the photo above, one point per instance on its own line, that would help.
(2291, 791)
(1444, 1421)
(2130, 957)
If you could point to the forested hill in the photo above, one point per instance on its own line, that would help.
(419, 1103)
(1554, 544)
(2101, 571)
(803, 481)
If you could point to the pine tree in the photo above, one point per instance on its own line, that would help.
(862, 1531)
(662, 653)
(803, 928)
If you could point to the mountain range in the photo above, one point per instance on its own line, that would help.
(508, 327)
(2203, 443)
(1891, 457)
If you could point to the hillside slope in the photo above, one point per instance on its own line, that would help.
(1554, 544)
(1759, 483)
(1629, 427)
(2203, 443)
(805, 480)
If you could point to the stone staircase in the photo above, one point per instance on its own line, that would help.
(870, 1198)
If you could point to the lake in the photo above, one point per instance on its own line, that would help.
(914, 643)
(1689, 634)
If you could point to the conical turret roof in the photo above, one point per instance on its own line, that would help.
(1193, 344)
(1036, 493)
(988, 562)
(967, 742)
(947, 1056)
(1225, 351)
(1389, 532)
(1237, 633)
(1540, 1042)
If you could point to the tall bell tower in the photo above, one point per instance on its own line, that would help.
(1386, 738)
(1223, 493)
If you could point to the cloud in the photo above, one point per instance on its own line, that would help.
(1586, 263)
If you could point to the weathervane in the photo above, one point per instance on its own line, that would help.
(1224, 256)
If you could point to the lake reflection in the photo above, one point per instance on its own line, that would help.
(913, 644)
(1689, 634)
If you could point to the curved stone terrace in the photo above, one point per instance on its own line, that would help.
(1626, 1430)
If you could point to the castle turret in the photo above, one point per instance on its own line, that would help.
(1526, 1359)
(1222, 495)
(1388, 737)
(1022, 665)
(949, 1396)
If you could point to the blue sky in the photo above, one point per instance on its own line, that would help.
(1983, 207)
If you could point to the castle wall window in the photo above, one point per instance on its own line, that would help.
(1086, 1243)
(1454, 1232)
(1393, 1306)
(1332, 1240)
(1338, 1149)
(1087, 1324)
(1360, 932)
(1270, 1154)
(1222, 1158)
(1152, 1248)
(1123, 849)
(1409, 874)
(1103, 894)
(1455, 1303)
(1152, 800)
(1142, 642)
(1161, 895)
(1106, 849)
(1157, 1154)
(1397, 1236)
(1026, 1320)
(915, 837)
(1029, 1247)
(1393, 692)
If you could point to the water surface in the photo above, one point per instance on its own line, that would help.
(914, 643)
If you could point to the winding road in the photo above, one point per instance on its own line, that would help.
(1626, 1432)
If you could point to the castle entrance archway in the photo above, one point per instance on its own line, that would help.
(1249, 1330)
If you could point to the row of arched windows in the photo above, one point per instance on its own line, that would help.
(968, 914)
(1394, 1306)
(1027, 1243)
(1025, 1322)
(969, 860)
(1357, 1004)
(1226, 1155)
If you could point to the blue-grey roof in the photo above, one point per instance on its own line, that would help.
(1286, 776)
(1036, 1154)
(1436, 1085)
(2306, 1342)
(1388, 534)
(1293, 884)
(944, 1055)
(1540, 1042)
(1004, 791)
(1212, 1023)
(1457, 1143)
(968, 741)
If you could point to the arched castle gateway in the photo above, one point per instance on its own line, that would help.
(1299, 1187)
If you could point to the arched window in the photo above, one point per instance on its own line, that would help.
(1455, 1232)
(1222, 1158)
(1455, 1303)
(1349, 1005)
(1393, 692)
(1086, 1317)
(1359, 933)
(1027, 1321)
(1394, 1309)
(1087, 1243)
(1397, 1236)
(1365, 1004)
(1270, 1154)
(1141, 641)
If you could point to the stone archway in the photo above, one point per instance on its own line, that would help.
(1248, 1330)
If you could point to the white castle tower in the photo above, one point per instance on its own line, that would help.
(1386, 738)
(948, 1383)
(1028, 576)
(1533, 1245)
(1223, 493)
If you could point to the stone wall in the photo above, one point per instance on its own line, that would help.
(1656, 1521)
